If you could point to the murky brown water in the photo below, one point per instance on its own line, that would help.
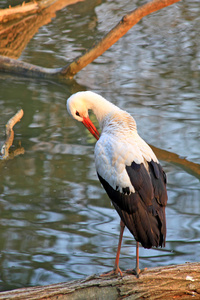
(56, 222)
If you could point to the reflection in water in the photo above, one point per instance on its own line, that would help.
(16, 34)
(57, 224)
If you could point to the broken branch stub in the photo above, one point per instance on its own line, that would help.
(10, 134)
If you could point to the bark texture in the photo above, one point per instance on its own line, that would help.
(20, 23)
(172, 282)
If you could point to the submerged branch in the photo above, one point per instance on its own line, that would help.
(10, 136)
(68, 71)
(10, 65)
(188, 166)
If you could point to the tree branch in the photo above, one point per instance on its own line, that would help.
(188, 166)
(68, 71)
(30, 8)
(127, 22)
(10, 136)
(26, 20)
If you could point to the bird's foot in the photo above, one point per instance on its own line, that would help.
(135, 271)
(114, 272)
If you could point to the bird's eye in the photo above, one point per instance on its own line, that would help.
(77, 113)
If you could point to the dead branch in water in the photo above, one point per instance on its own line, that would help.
(126, 23)
(68, 71)
(190, 167)
(10, 136)
(180, 281)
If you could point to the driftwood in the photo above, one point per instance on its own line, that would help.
(4, 154)
(172, 282)
(68, 71)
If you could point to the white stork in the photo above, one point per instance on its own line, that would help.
(128, 170)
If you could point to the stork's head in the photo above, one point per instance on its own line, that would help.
(78, 106)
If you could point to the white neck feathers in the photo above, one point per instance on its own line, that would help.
(107, 113)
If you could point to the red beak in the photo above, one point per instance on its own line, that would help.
(90, 126)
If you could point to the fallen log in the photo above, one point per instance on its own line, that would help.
(178, 281)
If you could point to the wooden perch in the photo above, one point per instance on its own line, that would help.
(10, 136)
(68, 71)
(172, 282)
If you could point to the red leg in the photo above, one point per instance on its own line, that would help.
(137, 269)
(116, 269)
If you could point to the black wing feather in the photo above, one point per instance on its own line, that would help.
(143, 212)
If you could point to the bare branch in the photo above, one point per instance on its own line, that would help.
(188, 166)
(127, 22)
(10, 65)
(68, 71)
(25, 21)
(32, 7)
(10, 135)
